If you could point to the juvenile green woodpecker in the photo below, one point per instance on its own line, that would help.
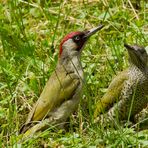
(129, 89)
(61, 95)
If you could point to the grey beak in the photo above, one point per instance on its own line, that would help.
(128, 47)
(93, 31)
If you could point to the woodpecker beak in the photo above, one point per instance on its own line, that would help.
(131, 50)
(128, 47)
(92, 31)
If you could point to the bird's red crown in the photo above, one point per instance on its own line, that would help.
(68, 36)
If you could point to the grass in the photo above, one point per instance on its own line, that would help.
(30, 35)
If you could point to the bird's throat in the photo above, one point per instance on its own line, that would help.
(72, 65)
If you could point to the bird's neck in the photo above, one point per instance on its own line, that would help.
(72, 64)
(141, 68)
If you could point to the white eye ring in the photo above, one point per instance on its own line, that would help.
(77, 38)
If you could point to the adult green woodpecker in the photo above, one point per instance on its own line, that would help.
(130, 88)
(61, 95)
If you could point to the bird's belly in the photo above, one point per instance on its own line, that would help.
(134, 96)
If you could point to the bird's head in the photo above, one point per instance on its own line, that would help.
(73, 43)
(138, 56)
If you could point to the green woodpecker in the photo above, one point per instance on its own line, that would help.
(61, 95)
(130, 88)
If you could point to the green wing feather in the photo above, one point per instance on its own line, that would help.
(112, 93)
(60, 87)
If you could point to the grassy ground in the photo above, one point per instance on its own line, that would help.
(30, 35)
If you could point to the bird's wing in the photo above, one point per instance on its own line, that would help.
(57, 118)
(60, 87)
(112, 93)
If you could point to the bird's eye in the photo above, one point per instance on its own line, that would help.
(143, 51)
(77, 38)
